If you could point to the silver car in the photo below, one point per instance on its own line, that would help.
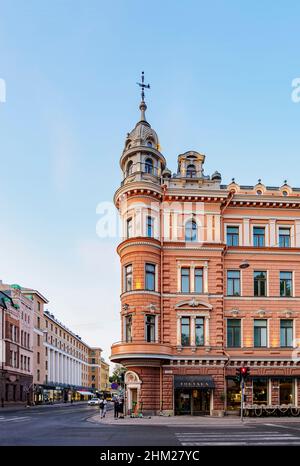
(93, 401)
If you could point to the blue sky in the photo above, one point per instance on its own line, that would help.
(220, 74)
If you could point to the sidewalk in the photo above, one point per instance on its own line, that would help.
(189, 421)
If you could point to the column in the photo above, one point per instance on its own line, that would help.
(209, 230)
(53, 366)
(49, 365)
(206, 331)
(178, 331)
(217, 229)
(193, 330)
(297, 234)
(205, 278)
(273, 239)
(246, 222)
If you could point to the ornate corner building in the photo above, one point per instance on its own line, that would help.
(210, 283)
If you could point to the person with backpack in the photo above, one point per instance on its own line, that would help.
(102, 406)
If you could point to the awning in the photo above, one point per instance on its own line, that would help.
(193, 381)
(84, 393)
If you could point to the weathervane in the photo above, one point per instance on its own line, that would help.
(143, 86)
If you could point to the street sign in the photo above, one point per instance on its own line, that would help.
(114, 386)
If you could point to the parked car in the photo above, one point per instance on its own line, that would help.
(93, 401)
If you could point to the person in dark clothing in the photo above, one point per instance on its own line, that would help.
(116, 407)
(121, 407)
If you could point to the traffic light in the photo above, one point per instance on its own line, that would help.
(243, 372)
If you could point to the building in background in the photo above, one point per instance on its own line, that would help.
(104, 382)
(95, 369)
(67, 362)
(41, 359)
(210, 283)
(16, 340)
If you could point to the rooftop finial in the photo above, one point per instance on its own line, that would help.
(143, 106)
(143, 86)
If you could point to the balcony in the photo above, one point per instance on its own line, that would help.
(140, 349)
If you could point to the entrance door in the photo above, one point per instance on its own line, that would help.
(200, 402)
(133, 399)
(190, 401)
(182, 401)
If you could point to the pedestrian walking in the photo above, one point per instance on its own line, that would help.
(102, 406)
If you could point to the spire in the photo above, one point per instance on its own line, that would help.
(143, 106)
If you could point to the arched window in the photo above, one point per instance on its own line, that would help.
(149, 143)
(191, 171)
(191, 231)
(129, 168)
(149, 166)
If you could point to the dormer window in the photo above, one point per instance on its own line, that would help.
(191, 171)
(149, 144)
(129, 168)
(149, 166)
(191, 231)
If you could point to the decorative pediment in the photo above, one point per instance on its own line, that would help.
(234, 312)
(132, 378)
(193, 303)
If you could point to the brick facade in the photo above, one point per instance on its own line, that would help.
(190, 219)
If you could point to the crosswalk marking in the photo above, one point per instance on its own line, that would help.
(14, 419)
(236, 438)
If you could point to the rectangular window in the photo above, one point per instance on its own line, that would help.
(286, 333)
(38, 340)
(284, 237)
(129, 228)
(128, 328)
(260, 333)
(38, 375)
(38, 322)
(259, 237)
(185, 331)
(199, 323)
(38, 357)
(260, 283)
(150, 227)
(260, 390)
(233, 283)
(286, 284)
(150, 328)
(39, 306)
(234, 333)
(286, 391)
(198, 280)
(185, 280)
(150, 277)
(232, 236)
(128, 277)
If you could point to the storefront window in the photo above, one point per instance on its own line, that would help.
(260, 390)
(286, 391)
(233, 394)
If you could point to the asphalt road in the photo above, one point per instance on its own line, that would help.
(67, 425)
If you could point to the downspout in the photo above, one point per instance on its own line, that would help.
(164, 187)
(228, 200)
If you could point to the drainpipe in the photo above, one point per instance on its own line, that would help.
(228, 200)
(164, 187)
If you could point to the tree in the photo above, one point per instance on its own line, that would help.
(118, 371)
